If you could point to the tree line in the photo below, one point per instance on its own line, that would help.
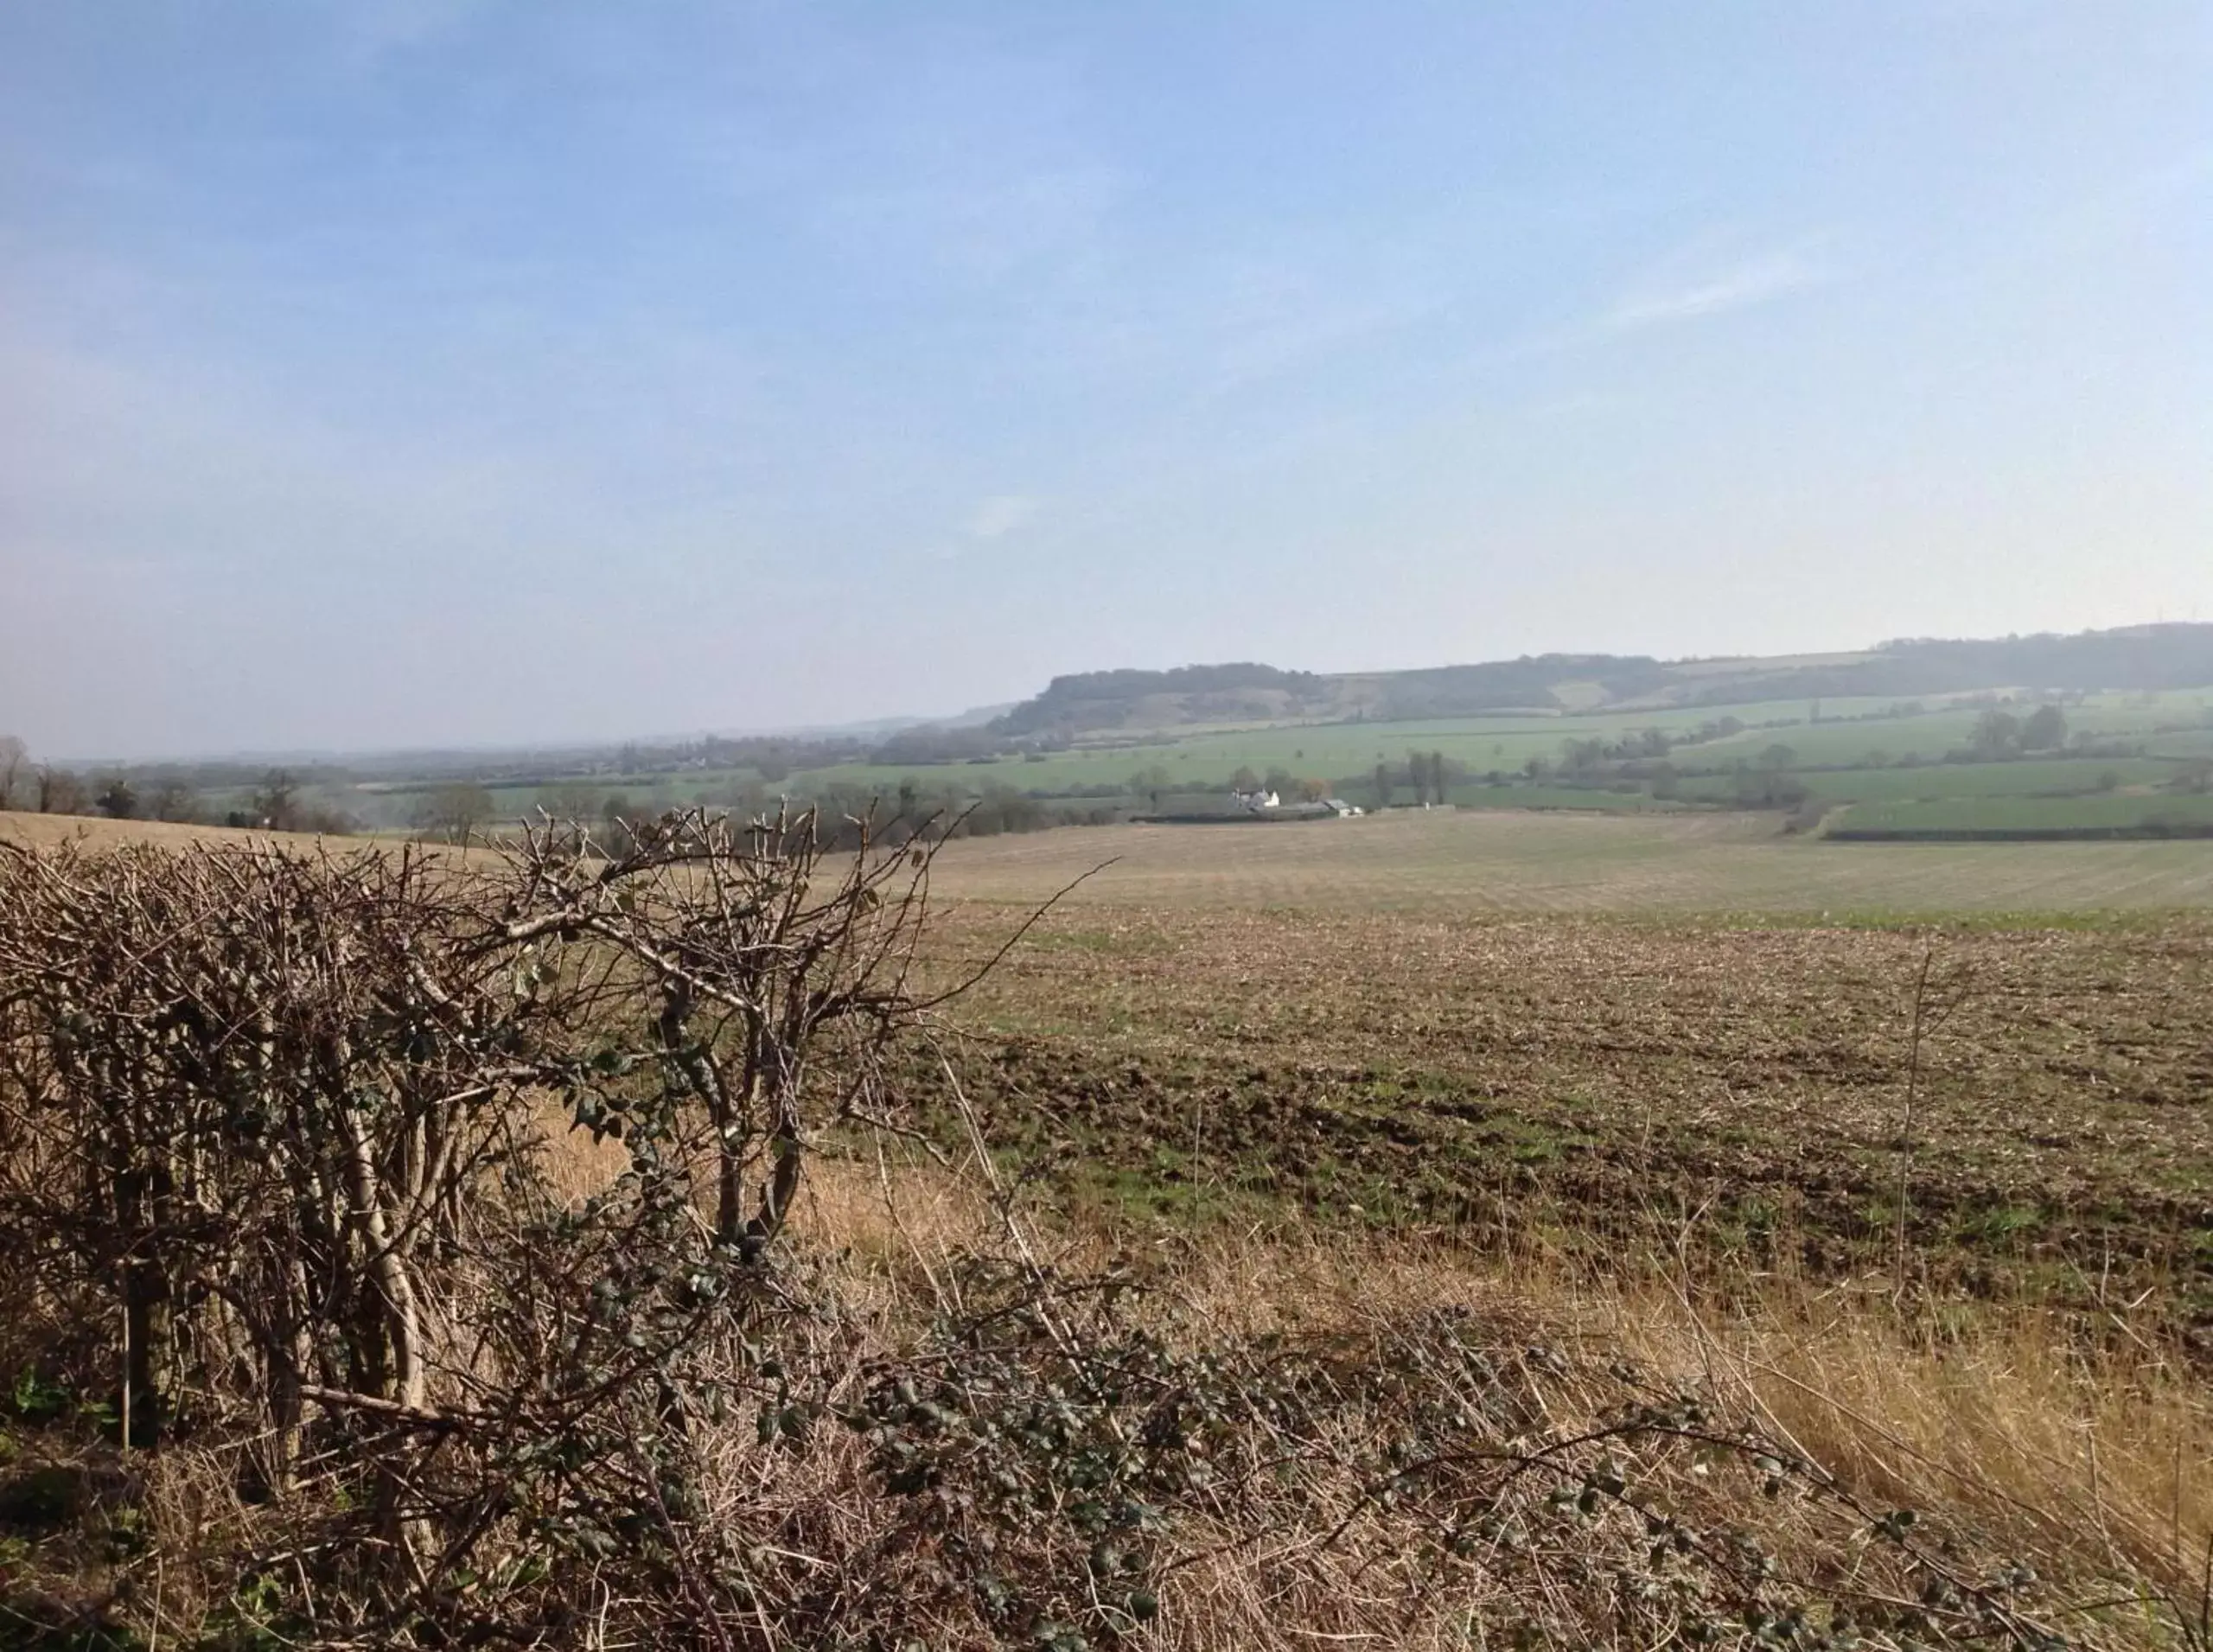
(277, 802)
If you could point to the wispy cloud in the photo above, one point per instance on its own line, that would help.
(990, 520)
(1673, 294)
(1255, 322)
(999, 515)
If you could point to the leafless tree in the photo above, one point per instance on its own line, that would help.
(767, 961)
(60, 792)
(13, 755)
(573, 799)
(173, 801)
(276, 803)
(457, 811)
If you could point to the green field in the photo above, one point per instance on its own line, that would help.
(1342, 750)
(388, 807)
(1848, 734)
(2031, 777)
(1331, 751)
(2027, 814)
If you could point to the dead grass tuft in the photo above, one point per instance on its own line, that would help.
(2028, 1454)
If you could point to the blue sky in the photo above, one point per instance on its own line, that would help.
(453, 372)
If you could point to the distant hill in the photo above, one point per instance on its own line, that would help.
(1136, 702)
(1157, 699)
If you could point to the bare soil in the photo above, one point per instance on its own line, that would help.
(1613, 1083)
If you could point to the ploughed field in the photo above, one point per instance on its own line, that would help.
(1500, 860)
(1253, 1041)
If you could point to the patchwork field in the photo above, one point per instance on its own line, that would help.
(1851, 730)
(2137, 763)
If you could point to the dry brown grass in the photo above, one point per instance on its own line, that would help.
(2002, 1432)
(2088, 1461)
(99, 832)
(2013, 1443)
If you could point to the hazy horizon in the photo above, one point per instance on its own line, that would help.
(912, 717)
(454, 374)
